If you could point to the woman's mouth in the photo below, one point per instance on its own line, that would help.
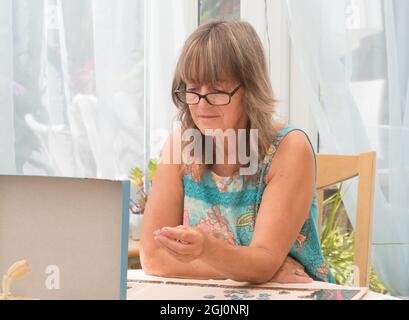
(208, 117)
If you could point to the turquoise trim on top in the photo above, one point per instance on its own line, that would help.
(226, 199)
(126, 193)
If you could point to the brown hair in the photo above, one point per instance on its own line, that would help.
(228, 50)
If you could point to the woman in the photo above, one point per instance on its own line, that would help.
(209, 221)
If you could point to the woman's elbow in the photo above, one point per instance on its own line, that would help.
(261, 277)
(150, 267)
(152, 263)
(262, 273)
(255, 276)
(148, 263)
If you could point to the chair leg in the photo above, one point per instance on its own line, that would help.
(363, 227)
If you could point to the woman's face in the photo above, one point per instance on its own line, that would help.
(207, 116)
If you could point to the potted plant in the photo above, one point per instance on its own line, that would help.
(139, 197)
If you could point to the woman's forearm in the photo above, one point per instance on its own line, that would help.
(163, 264)
(219, 260)
(240, 263)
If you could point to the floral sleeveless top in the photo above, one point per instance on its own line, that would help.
(227, 206)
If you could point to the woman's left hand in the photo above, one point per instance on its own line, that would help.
(291, 271)
(184, 243)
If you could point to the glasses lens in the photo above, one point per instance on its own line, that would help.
(186, 97)
(218, 98)
(191, 98)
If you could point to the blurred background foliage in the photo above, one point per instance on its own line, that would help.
(213, 9)
(337, 241)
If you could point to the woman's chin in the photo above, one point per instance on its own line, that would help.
(209, 130)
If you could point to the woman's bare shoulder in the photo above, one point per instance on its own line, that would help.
(294, 150)
(170, 155)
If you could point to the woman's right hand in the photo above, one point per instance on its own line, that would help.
(291, 271)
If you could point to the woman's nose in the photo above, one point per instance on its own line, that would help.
(203, 103)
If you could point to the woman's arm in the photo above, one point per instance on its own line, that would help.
(283, 210)
(165, 208)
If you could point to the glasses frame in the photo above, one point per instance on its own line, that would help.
(204, 96)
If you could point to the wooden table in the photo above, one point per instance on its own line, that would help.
(142, 286)
(133, 254)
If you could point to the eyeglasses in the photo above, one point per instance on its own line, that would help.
(216, 98)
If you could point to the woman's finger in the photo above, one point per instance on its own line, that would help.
(300, 272)
(287, 275)
(175, 254)
(173, 245)
(181, 234)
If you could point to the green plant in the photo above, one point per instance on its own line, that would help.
(337, 244)
(213, 9)
(137, 176)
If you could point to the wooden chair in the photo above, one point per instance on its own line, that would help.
(332, 169)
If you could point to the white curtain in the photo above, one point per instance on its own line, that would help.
(169, 23)
(72, 76)
(85, 84)
(353, 58)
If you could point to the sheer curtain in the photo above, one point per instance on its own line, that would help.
(169, 23)
(74, 87)
(85, 84)
(353, 57)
